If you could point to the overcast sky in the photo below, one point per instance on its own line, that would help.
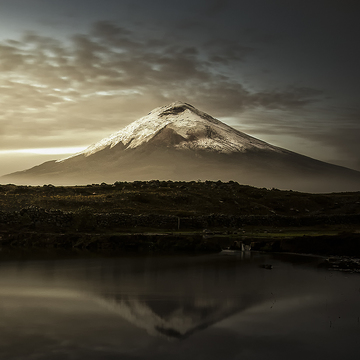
(72, 72)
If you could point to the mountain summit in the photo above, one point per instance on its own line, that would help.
(180, 142)
(181, 126)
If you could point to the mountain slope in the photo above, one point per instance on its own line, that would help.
(179, 142)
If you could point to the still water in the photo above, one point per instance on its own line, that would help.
(178, 307)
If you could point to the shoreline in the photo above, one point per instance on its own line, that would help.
(343, 244)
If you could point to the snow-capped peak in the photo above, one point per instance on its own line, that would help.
(198, 130)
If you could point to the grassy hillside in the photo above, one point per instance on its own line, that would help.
(178, 198)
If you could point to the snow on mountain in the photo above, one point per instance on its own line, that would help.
(194, 129)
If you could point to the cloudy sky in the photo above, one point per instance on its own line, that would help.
(74, 71)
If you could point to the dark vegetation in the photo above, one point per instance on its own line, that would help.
(185, 216)
(177, 198)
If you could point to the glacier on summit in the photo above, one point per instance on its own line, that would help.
(198, 130)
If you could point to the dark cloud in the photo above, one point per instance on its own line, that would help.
(214, 7)
(345, 140)
(291, 98)
(113, 35)
(227, 51)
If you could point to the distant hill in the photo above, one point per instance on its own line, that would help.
(180, 142)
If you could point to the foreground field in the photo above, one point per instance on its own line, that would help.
(160, 215)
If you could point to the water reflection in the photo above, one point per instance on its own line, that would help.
(173, 318)
(159, 307)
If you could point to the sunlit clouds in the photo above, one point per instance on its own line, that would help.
(44, 151)
(107, 78)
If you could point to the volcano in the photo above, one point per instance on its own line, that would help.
(179, 142)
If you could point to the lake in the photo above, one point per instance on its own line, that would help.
(178, 307)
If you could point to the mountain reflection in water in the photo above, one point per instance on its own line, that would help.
(185, 317)
(180, 307)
